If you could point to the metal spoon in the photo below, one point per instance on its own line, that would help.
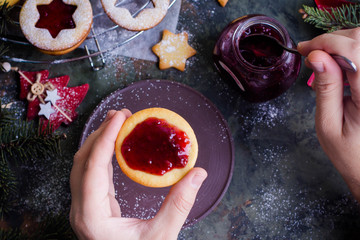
(345, 63)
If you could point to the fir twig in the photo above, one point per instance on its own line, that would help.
(11, 234)
(5, 21)
(54, 227)
(25, 141)
(8, 189)
(5, 116)
(5, 18)
(344, 17)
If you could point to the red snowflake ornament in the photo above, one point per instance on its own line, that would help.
(70, 98)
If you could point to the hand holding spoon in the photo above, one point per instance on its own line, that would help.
(345, 63)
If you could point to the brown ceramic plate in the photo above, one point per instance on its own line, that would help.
(216, 153)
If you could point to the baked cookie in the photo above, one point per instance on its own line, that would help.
(10, 2)
(56, 26)
(173, 50)
(223, 2)
(156, 147)
(147, 18)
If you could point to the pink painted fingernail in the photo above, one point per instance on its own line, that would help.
(311, 80)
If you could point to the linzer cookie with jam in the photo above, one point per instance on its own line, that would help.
(156, 147)
(146, 19)
(56, 26)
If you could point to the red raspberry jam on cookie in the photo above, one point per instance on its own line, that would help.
(56, 16)
(155, 146)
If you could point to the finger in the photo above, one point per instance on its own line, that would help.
(127, 114)
(354, 82)
(103, 148)
(350, 33)
(328, 85)
(85, 148)
(83, 153)
(81, 156)
(345, 43)
(340, 44)
(330, 43)
(114, 205)
(96, 175)
(179, 202)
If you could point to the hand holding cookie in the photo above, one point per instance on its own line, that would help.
(95, 213)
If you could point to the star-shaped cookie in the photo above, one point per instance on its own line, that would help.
(173, 50)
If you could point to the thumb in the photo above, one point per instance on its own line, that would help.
(329, 87)
(179, 202)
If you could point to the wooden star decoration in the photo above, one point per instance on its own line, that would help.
(56, 16)
(173, 50)
(46, 110)
(52, 96)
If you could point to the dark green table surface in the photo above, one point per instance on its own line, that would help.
(283, 186)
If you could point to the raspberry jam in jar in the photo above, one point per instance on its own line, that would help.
(261, 68)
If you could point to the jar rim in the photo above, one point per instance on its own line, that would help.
(260, 20)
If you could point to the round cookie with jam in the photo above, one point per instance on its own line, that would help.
(156, 147)
(145, 19)
(56, 27)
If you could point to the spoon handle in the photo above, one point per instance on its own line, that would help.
(345, 63)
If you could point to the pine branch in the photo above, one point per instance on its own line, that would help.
(5, 18)
(25, 141)
(3, 49)
(344, 17)
(13, 234)
(8, 189)
(5, 115)
(5, 21)
(54, 227)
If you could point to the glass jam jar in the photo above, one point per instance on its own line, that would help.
(261, 68)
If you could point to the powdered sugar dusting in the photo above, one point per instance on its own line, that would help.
(294, 210)
(47, 188)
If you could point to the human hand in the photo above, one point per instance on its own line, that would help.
(95, 213)
(337, 117)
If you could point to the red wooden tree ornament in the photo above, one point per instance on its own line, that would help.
(35, 87)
